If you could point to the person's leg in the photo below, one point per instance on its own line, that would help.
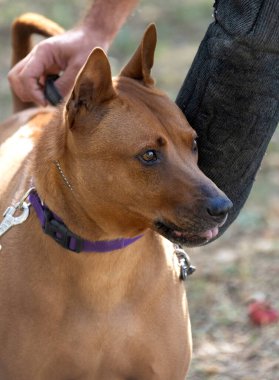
(231, 94)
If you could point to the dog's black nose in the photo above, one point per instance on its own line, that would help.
(219, 206)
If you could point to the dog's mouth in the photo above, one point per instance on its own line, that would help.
(189, 238)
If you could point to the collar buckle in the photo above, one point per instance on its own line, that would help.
(60, 233)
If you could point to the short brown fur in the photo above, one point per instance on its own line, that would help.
(119, 315)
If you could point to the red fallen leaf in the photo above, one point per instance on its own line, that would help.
(261, 313)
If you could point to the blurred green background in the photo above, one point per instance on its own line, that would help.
(244, 263)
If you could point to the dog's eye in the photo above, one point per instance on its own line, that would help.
(195, 146)
(149, 157)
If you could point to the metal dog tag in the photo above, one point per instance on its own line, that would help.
(10, 220)
(186, 268)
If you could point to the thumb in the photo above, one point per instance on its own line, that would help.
(66, 81)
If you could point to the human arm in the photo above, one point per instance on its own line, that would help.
(231, 95)
(67, 52)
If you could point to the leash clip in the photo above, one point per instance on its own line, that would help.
(10, 219)
(186, 268)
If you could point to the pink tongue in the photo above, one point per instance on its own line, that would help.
(178, 233)
(210, 234)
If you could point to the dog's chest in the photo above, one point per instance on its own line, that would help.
(93, 345)
(87, 352)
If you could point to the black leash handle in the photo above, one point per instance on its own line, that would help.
(51, 92)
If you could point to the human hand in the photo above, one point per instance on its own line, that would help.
(64, 53)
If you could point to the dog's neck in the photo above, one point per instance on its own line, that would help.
(61, 191)
(50, 184)
(65, 179)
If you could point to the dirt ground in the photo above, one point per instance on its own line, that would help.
(244, 263)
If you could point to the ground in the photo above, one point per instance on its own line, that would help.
(244, 263)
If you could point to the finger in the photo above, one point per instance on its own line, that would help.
(28, 75)
(25, 85)
(66, 81)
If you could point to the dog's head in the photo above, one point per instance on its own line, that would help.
(135, 155)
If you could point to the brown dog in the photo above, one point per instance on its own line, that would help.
(117, 161)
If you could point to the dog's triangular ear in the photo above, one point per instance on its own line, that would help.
(93, 86)
(140, 65)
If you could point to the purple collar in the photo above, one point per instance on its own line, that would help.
(53, 226)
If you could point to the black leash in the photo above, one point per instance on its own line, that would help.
(51, 92)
